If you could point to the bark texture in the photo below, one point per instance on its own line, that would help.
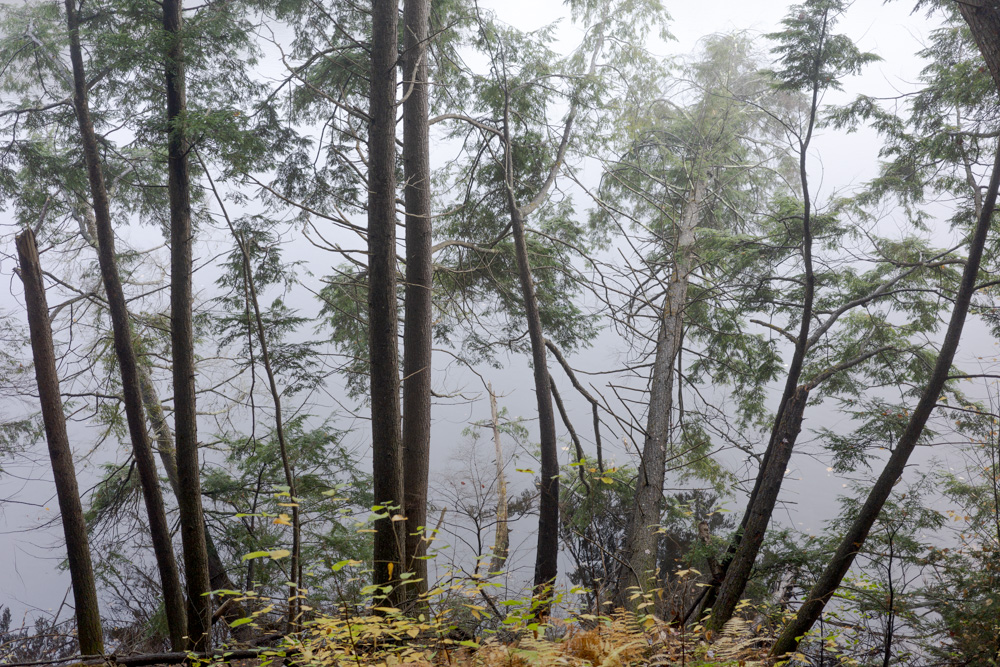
(141, 448)
(417, 334)
(641, 533)
(192, 520)
(387, 462)
(81, 571)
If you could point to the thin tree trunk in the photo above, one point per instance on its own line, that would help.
(501, 542)
(173, 596)
(295, 580)
(759, 513)
(192, 518)
(88, 615)
(417, 334)
(547, 549)
(740, 554)
(641, 544)
(855, 536)
(387, 460)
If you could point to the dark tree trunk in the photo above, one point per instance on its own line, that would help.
(417, 336)
(88, 615)
(641, 543)
(382, 321)
(855, 536)
(218, 576)
(192, 518)
(547, 549)
(984, 22)
(159, 529)
(759, 513)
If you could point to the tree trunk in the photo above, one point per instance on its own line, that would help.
(173, 596)
(294, 568)
(501, 542)
(547, 549)
(984, 22)
(855, 536)
(382, 321)
(759, 513)
(88, 615)
(417, 334)
(641, 533)
(192, 518)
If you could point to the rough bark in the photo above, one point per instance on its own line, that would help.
(142, 450)
(639, 549)
(81, 571)
(417, 334)
(855, 536)
(501, 541)
(382, 321)
(984, 22)
(192, 520)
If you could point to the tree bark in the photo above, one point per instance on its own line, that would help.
(547, 548)
(855, 536)
(88, 615)
(984, 22)
(641, 533)
(382, 320)
(417, 334)
(173, 596)
(192, 519)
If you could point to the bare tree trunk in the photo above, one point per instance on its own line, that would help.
(641, 544)
(417, 334)
(88, 615)
(855, 536)
(173, 596)
(501, 542)
(382, 321)
(192, 518)
(984, 21)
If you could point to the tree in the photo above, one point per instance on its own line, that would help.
(812, 59)
(856, 534)
(382, 324)
(417, 323)
(88, 614)
(141, 447)
(196, 567)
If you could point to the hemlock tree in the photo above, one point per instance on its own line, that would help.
(88, 614)
(382, 319)
(141, 446)
(196, 568)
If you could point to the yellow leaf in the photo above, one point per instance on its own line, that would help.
(283, 520)
(398, 517)
(390, 567)
(279, 553)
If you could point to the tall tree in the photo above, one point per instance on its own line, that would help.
(812, 59)
(904, 176)
(196, 567)
(418, 304)
(88, 615)
(387, 460)
(141, 447)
